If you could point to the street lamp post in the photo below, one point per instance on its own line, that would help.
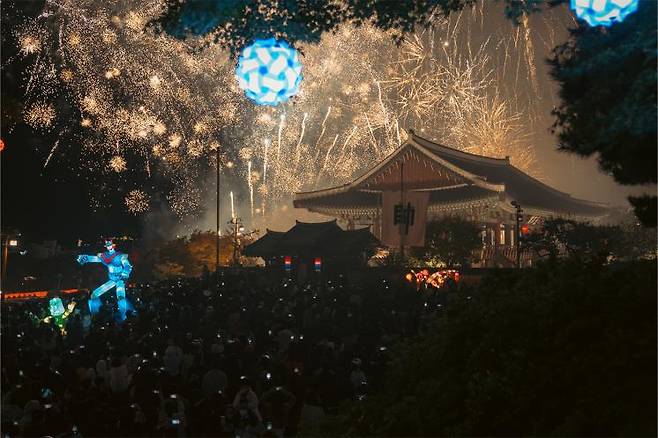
(236, 222)
(517, 231)
(9, 241)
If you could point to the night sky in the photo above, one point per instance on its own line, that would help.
(55, 203)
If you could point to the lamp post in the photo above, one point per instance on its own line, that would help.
(517, 232)
(9, 241)
(236, 223)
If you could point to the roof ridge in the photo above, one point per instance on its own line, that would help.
(505, 162)
(457, 152)
(556, 191)
(298, 222)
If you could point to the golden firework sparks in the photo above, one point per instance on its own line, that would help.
(117, 164)
(40, 115)
(137, 201)
(29, 44)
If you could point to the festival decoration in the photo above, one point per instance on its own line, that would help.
(436, 279)
(269, 71)
(603, 12)
(317, 264)
(58, 314)
(287, 263)
(119, 269)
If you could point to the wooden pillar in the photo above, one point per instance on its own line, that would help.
(377, 226)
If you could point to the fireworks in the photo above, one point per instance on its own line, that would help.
(117, 164)
(137, 202)
(144, 94)
(40, 116)
(29, 44)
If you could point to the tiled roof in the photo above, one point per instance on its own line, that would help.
(316, 239)
(486, 176)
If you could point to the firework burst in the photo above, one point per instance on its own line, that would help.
(137, 201)
(153, 97)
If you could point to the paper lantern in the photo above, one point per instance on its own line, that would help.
(269, 72)
(603, 12)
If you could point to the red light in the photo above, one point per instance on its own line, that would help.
(287, 262)
(2, 145)
(525, 229)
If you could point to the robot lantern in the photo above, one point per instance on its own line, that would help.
(118, 269)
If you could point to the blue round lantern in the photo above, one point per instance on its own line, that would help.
(269, 71)
(603, 12)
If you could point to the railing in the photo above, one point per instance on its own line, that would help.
(18, 296)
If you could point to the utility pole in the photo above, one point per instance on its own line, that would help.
(402, 207)
(517, 232)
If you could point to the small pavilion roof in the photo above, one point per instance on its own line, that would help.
(317, 239)
(266, 245)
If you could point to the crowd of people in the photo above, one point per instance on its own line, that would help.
(242, 354)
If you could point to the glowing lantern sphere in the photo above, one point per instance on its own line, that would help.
(269, 71)
(603, 12)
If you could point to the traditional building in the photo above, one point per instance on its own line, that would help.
(305, 243)
(475, 187)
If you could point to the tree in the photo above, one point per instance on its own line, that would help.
(564, 237)
(450, 241)
(607, 79)
(202, 249)
(233, 23)
(168, 269)
(565, 349)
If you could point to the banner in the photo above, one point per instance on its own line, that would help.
(404, 217)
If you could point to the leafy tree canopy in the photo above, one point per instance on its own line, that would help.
(566, 349)
(607, 79)
(449, 241)
(571, 238)
(234, 23)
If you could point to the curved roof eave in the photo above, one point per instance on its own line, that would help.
(474, 179)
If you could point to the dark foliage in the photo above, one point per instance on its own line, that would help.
(607, 80)
(564, 237)
(565, 349)
(237, 22)
(450, 240)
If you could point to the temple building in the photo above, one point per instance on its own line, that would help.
(475, 187)
(306, 244)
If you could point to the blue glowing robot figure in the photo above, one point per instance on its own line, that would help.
(118, 268)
